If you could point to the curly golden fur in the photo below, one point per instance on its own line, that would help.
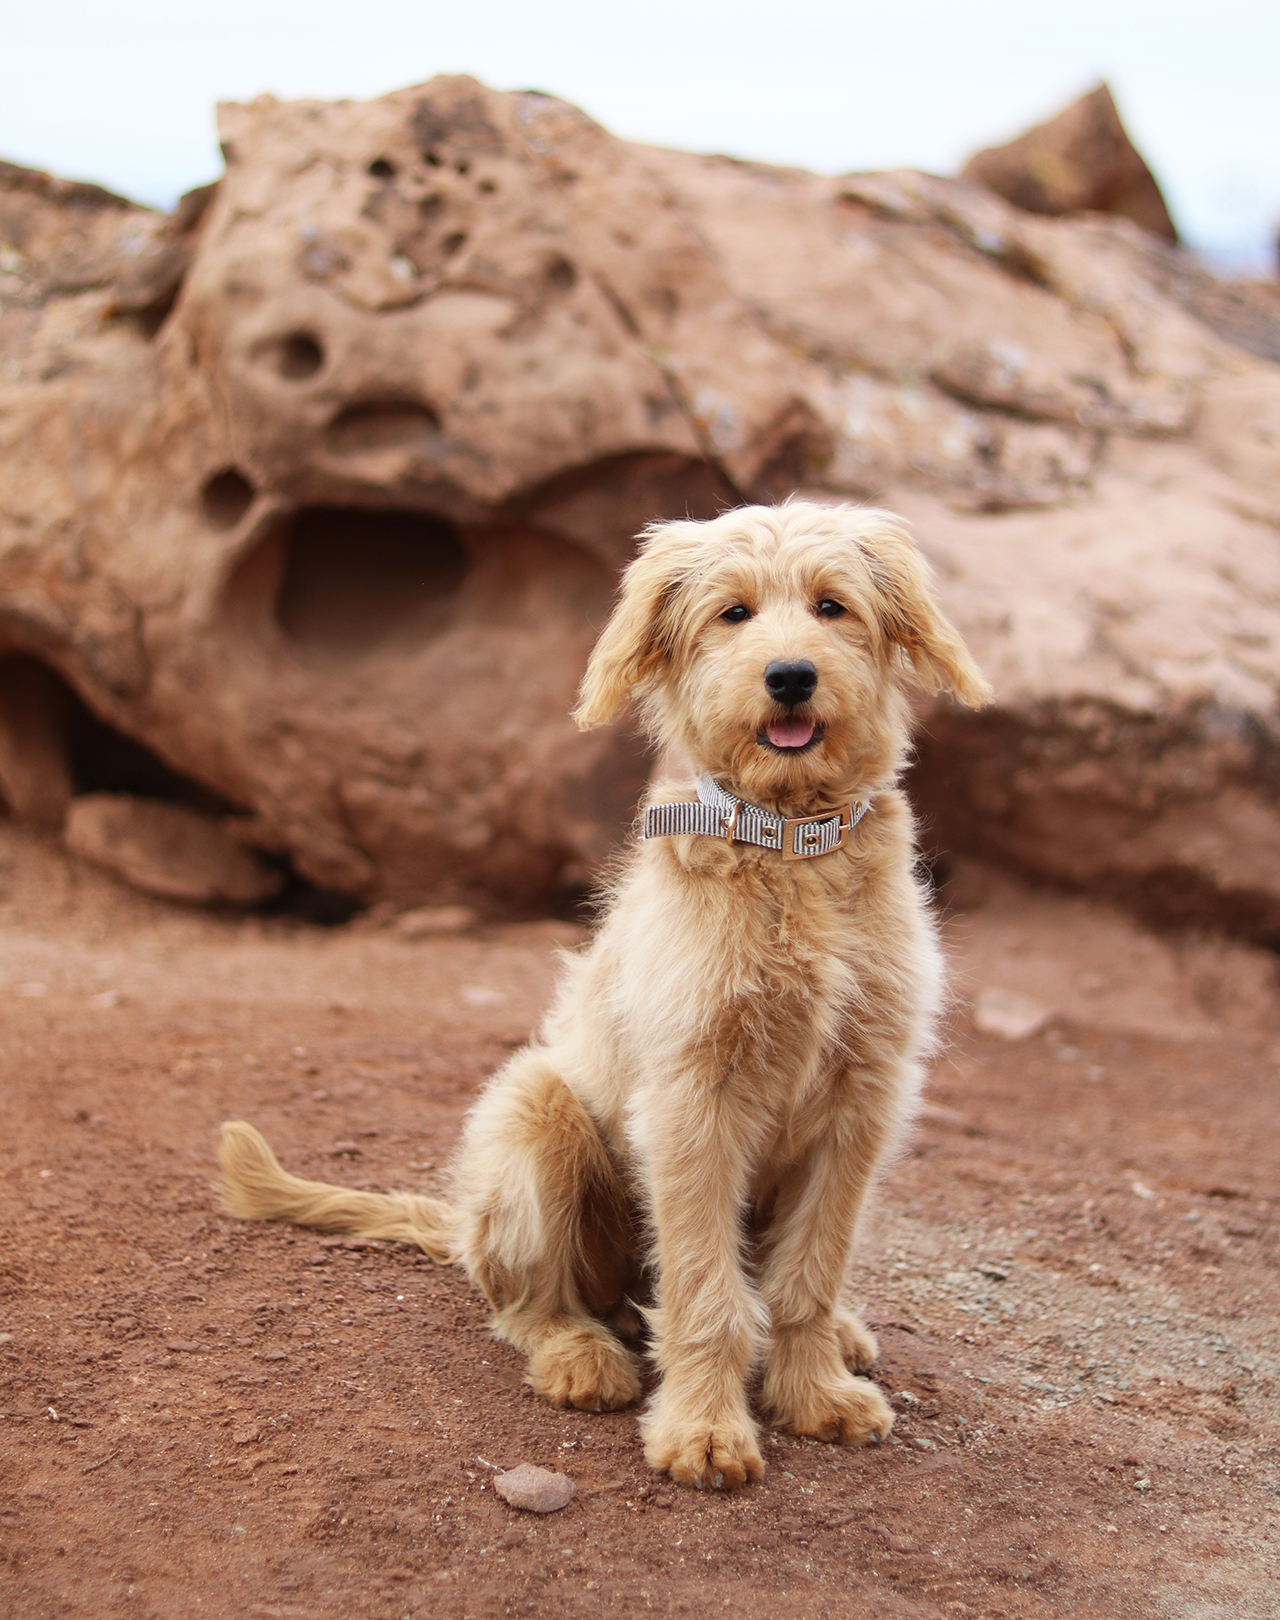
(730, 1061)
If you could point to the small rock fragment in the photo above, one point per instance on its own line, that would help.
(1007, 1014)
(535, 1490)
(426, 921)
(482, 995)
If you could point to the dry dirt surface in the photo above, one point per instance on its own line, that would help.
(1072, 1274)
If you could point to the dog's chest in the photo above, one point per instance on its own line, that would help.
(757, 980)
(782, 990)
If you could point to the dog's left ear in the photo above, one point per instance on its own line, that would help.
(636, 642)
(911, 618)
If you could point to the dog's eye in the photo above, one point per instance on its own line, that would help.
(829, 608)
(736, 614)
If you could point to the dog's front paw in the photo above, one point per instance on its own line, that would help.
(858, 1347)
(851, 1411)
(586, 1369)
(714, 1454)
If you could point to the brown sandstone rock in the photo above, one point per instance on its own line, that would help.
(1080, 161)
(334, 535)
(329, 523)
(1085, 429)
(167, 849)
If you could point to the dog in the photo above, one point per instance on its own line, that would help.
(731, 1060)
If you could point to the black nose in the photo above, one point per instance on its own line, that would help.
(791, 683)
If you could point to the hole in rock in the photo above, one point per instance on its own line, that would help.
(453, 243)
(151, 317)
(562, 275)
(354, 580)
(298, 355)
(226, 497)
(52, 745)
(382, 169)
(434, 159)
(309, 902)
(104, 760)
(382, 424)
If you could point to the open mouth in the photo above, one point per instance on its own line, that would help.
(791, 735)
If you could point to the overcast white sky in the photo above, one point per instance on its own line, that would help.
(122, 91)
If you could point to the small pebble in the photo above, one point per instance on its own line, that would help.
(921, 1444)
(1007, 1014)
(426, 921)
(535, 1490)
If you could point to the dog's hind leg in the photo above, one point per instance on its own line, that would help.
(546, 1233)
(807, 1387)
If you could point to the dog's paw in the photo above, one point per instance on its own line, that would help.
(586, 1369)
(851, 1411)
(717, 1455)
(711, 1456)
(858, 1347)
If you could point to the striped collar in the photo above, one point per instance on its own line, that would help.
(717, 813)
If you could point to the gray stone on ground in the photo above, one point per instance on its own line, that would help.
(1007, 1014)
(426, 922)
(535, 1490)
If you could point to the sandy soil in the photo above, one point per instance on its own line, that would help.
(1073, 1276)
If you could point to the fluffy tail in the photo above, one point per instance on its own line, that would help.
(255, 1186)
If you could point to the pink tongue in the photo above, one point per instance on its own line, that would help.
(789, 733)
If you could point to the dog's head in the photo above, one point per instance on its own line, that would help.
(774, 644)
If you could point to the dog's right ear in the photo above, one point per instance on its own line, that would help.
(638, 639)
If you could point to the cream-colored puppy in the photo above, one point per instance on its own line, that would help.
(734, 1054)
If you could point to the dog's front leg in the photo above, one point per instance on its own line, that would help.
(807, 1387)
(709, 1322)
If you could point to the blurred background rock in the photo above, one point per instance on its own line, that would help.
(316, 486)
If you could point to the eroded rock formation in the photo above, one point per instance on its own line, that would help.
(1078, 162)
(318, 490)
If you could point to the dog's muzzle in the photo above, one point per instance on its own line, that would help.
(719, 814)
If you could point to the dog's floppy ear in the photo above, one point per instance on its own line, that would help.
(638, 637)
(911, 618)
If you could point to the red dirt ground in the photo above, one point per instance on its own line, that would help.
(1072, 1273)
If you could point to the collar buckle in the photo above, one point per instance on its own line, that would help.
(804, 838)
